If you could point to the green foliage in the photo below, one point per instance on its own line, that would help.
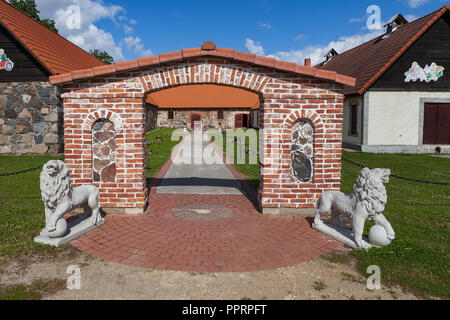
(30, 9)
(19, 292)
(161, 152)
(102, 56)
(50, 24)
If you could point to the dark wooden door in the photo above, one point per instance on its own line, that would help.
(238, 121)
(195, 118)
(436, 128)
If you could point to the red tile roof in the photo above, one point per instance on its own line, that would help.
(204, 96)
(369, 61)
(208, 49)
(57, 54)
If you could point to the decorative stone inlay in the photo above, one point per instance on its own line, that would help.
(302, 151)
(104, 151)
(202, 212)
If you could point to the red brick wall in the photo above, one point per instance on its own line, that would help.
(285, 98)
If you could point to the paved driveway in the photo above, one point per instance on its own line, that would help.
(198, 169)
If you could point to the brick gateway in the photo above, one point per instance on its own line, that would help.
(105, 118)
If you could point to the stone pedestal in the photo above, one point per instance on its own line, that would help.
(76, 229)
(344, 235)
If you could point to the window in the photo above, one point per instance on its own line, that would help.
(220, 115)
(353, 119)
(171, 115)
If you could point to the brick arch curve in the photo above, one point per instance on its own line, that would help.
(103, 114)
(207, 72)
(304, 114)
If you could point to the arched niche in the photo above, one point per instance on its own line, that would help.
(104, 151)
(302, 151)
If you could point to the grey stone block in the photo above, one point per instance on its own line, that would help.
(76, 229)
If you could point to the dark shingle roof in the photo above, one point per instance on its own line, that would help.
(370, 60)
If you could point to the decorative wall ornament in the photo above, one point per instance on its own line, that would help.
(104, 151)
(60, 198)
(302, 151)
(366, 202)
(5, 63)
(427, 74)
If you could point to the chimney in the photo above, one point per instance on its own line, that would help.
(308, 62)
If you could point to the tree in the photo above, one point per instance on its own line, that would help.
(102, 56)
(30, 9)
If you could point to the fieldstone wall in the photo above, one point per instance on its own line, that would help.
(31, 118)
(182, 118)
(104, 151)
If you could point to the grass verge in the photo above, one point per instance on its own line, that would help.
(161, 152)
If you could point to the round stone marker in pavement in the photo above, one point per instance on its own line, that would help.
(205, 212)
(246, 241)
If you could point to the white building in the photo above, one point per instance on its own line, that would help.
(401, 101)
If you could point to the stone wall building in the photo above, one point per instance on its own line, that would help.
(214, 106)
(31, 114)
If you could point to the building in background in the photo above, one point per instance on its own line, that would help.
(214, 106)
(401, 101)
(31, 115)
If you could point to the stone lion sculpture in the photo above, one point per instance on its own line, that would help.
(60, 198)
(366, 202)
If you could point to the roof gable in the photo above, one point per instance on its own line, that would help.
(57, 54)
(369, 61)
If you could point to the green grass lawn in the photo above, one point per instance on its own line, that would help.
(419, 213)
(249, 170)
(417, 260)
(21, 207)
(161, 152)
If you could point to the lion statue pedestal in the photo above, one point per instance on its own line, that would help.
(366, 202)
(59, 199)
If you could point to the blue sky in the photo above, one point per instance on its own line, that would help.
(287, 30)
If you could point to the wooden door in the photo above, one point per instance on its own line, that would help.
(195, 118)
(238, 121)
(436, 128)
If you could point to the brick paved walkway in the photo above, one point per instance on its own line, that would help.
(205, 233)
(244, 242)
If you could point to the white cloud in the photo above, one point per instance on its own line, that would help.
(411, 17)
(89, 36)
(267, 26)
(417, 3)
(316, 53)
(135, 44)
(95, 38)
(254, 47)
(301, 36)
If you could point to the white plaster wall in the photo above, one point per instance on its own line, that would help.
(347, 138)
(394, 117)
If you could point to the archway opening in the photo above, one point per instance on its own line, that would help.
(213, 167)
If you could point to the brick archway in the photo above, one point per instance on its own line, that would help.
(288, 92)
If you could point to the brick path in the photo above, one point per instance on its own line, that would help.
(246, 241)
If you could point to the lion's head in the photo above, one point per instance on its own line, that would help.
(55, 183)
(370, 191)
